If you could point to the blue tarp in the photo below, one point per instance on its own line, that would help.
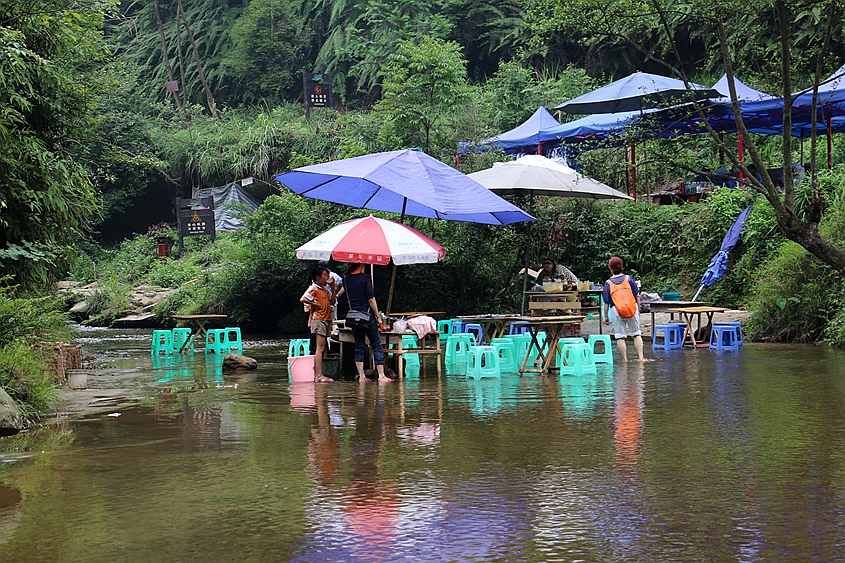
(517, 137)
(229, 202)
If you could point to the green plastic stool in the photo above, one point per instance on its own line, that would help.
(605, 357)
(483, 362)
(506, 348)
(162, 342)
(214, 340)
(458, 348)
(232, 339)
(299, 347)
(577, 360)
(181, 337)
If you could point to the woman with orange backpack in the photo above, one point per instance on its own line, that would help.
(621, 293)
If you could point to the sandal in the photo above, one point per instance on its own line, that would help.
(323, 379)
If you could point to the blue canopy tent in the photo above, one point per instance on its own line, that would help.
(525, 135)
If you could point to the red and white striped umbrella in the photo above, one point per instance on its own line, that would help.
(372, 241)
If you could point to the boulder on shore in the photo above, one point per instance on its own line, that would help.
(236, 361)
(11, 418)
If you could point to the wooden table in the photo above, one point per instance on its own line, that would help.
(557, 300)
(664, 306)
(429, 345)
(493, 326)
(553, 327)
(687, 313)
(197, 323)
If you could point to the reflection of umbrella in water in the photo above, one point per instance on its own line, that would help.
(373, 241)
(719, 264)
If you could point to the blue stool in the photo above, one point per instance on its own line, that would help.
(738, 326)
(506, 348)
(476, 330)
(673, 335)
(577, 359)
(299, 347)
(483, 362)
(605, 357)
(517, 327)
(457, 348)
(162, 342)
(723, 337)
(181, 338)
(457, 326)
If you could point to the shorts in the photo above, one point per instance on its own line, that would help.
(322, 328)
(620, 324)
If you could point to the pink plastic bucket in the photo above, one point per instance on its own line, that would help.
(301, 368)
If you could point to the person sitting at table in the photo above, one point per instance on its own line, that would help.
(362, 297)
(550, 271)
(319, 300)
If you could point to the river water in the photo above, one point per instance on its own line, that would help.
(697, 456)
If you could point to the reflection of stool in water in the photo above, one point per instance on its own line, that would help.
(162, 342)
(577, 359)
(673, 335)
(483, 362)
(457, 348)
(723, 337)
(299, 347)
(738, 326)
(506, 349)
(605, 357)
(223, 340)
(182, 340)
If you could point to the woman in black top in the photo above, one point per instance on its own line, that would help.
(359, 289)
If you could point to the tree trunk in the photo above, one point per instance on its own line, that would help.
(166, 60)
(209, 98)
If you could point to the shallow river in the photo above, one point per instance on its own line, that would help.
(697, 456)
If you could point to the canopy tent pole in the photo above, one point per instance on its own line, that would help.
(739, 151)
(393, 273)
(829, 143)
(634, 169)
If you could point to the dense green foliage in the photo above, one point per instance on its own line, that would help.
(23, 369)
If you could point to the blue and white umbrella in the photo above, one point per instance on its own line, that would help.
(719, 264)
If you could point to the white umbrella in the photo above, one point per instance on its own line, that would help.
(538, 175)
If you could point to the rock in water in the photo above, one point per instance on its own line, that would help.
(236, 361)
(11, 419)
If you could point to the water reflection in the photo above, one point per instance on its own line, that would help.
(696, 457)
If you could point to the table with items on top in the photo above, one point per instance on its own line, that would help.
(582, 301)
(429, 344)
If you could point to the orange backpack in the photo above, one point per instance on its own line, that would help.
(622, 295)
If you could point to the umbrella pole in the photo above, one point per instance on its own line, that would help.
(393, 273)
(527, 259)
(390, 292)
(697, 292)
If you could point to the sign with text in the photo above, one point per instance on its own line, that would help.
(318, 89)
(195, 217)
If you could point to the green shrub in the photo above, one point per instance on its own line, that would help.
(25, 377)
(108, 302)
